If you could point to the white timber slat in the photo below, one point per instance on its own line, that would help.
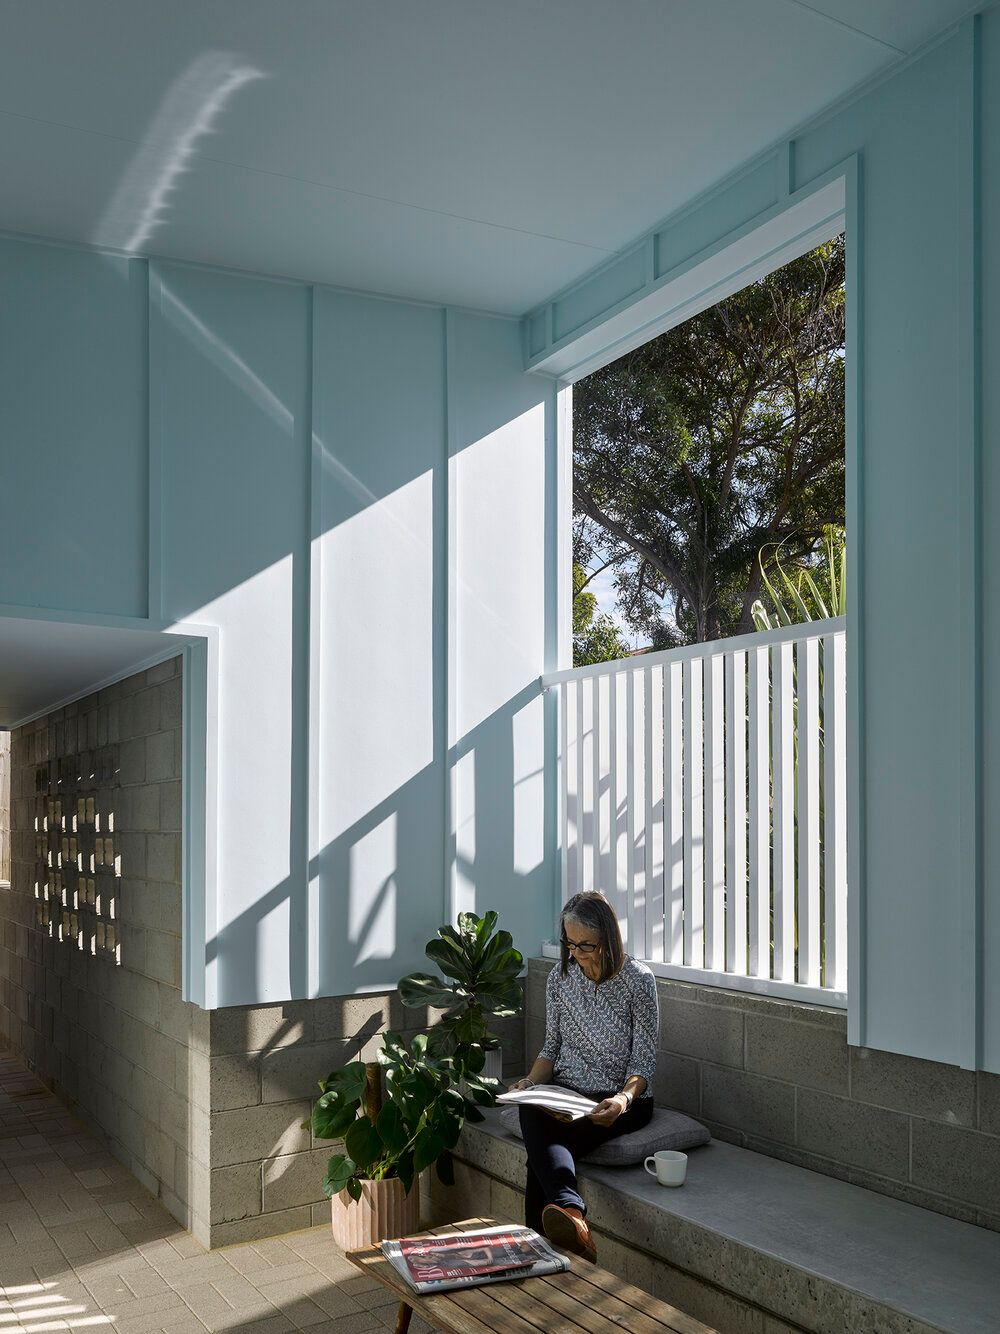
(694, 817)
(637, 801)
(567, 711)
(736, 812)
(758, 760)
(808, 812)
(835, 809)
(618, 790)
(715, 814)
(597, 828)
(585, 716)
(673, 771)
(783, 809)
(653, 706)
(602, 785)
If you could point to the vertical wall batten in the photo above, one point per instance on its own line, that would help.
(783, 769)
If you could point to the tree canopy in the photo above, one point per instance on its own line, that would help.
(718, 440)
(595, 637)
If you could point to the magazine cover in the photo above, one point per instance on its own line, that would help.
(460, 1259)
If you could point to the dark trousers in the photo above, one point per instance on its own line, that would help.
(553, 1148)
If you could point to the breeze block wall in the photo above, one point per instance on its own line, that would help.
(90, 963)
(778, 1077)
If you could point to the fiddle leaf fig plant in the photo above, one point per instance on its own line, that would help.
(481, 968)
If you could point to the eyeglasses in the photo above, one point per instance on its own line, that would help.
(584, 947)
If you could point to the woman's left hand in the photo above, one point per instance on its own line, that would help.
(606, 1113)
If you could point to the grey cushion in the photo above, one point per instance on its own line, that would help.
(666, 1130)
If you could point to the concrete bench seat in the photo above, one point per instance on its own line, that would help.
(754, 1245)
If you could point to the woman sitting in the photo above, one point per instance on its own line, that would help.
(601, 1025)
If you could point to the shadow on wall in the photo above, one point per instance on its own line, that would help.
(378, 953)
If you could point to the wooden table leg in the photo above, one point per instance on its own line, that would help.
(403, 1318)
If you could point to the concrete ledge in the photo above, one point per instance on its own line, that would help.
(756, 1245)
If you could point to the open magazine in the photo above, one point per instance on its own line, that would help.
(464, 1259)
(563, 1103)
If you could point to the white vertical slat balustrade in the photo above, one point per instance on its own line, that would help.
(783, 808)
(736, 812)
(652, 678)
(673, 782)
(759, 920)
(715, 814)
(694, 816)
(808, 812)
(704, 791)
(835, 809)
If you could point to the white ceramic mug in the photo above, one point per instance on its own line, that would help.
(669, 1167)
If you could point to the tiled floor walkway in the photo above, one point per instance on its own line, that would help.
(84, 1246)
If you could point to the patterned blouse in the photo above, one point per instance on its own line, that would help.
(598, 1034)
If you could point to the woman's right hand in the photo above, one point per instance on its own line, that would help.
(523, 1083)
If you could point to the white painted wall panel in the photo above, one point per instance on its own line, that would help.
(230, 396)
(73, 532)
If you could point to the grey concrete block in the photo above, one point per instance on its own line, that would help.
(234, 1081)
(242, 1028)
(748, 1102)
(801, 1053)
(294, 1072)
(921, 1088)
(170, 704)
(140, 808)
(988, 1089)
(258, 1229)
(163, 756)
(163, 857)
(163, 957)
(132, 761)
(774, 1006)
(708, 1032)
(170, 806)
(677, 1083)
(163, 671)
(854, 1133)
(959, 1163)
(254, 1133)
(145, 712)
(295, 1179)
(235, 1192)
(359, 1017)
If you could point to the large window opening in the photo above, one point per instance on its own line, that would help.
(708, 471)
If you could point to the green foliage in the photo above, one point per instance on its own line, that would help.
(481, 968)
(595, 638)
(434, 1084)
(722, 438)
(418, 1124)
(798, 596)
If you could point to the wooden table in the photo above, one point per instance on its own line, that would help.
(584, 1297)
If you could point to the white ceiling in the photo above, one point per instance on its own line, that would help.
(478, 152)
(43, 663)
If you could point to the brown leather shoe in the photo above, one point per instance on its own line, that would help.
(569, 1232)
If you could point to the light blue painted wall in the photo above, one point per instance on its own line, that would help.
(358, 494)
(929, 919)
(73, 398)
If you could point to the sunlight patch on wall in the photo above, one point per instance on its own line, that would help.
(463, 814)
(188, 112)
(372, 914)
(529, 786)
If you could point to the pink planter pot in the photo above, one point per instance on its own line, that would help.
(382, 1212)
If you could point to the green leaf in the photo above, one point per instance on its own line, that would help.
(446, 1169)
(451, 961)
(391, 1128)
(354, 1188)
(429, 1144)
(338, 1171)
(404, 1170)
(331, 1115)
(422, 989)
(363, 1142)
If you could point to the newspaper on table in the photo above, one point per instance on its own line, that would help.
(566, 1104)
(465, 1259)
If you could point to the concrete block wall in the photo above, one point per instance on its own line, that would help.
(90, 993)
(258, 1086)
(779, 1078)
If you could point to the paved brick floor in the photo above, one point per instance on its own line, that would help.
(84, 1246)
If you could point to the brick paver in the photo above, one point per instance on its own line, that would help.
(84, 1246)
